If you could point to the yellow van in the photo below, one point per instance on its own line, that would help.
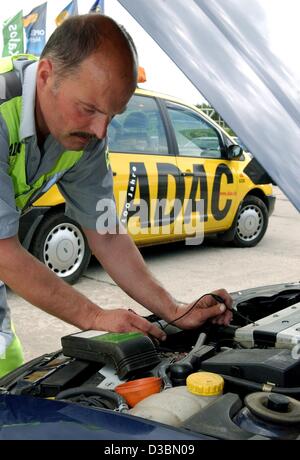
(176, 174)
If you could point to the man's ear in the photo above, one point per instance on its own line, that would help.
(44, 73)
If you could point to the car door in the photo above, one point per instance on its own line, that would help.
(146, 177)
(209, 179)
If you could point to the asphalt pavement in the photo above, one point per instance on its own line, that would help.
(186, 271)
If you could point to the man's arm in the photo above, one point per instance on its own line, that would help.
(124, 263)
(82, 187)
(38, 285)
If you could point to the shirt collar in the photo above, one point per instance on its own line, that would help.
(27, 125)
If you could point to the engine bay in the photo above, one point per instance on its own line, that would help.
(236, 382)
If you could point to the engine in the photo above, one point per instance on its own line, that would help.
(235, 382)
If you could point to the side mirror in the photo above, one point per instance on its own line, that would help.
(234, 152)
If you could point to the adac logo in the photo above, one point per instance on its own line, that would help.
(31, 19)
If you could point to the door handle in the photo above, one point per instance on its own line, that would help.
(114, 174)
(187, 174)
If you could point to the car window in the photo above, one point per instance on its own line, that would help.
(195, 137)
(139, 129)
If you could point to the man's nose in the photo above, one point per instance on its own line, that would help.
(99, 126)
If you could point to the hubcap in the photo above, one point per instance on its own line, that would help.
(64, 249)
(250, 223)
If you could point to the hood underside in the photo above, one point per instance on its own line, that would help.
(226, 50)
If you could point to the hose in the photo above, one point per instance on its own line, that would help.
(162, 373)
(249, 385)
(90, 391)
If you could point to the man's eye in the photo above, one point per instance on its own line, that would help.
(89, 111)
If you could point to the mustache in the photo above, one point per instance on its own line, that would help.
(87, 136)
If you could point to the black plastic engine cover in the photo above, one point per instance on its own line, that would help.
(261, 366)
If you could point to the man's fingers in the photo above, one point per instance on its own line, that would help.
(224, 319)
(208, 308)
(128, 321)
(211, 312)
(225, 296)
(146, 327)
(228, 317)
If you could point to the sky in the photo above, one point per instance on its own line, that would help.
(162, 74)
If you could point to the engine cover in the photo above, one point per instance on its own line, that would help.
(276, 367)
(279, 330)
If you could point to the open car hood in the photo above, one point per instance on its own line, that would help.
(226, 51)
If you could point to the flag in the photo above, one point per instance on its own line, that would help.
(35, 28)
(13, 36)
(70, 10)
(98, 7)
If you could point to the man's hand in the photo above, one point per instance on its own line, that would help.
(121, 320)
(205, 309)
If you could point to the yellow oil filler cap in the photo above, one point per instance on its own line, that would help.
(205, 384)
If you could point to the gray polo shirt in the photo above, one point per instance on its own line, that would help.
(88, 182)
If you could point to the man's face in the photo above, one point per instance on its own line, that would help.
(79, 107)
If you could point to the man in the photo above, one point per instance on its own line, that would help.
(53, 124)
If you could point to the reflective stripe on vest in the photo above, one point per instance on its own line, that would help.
(26, 194)
(12, 358)
(7, 63)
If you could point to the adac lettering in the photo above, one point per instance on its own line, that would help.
(220, 214)
(164, 171)
(199, 180)
(138, 180)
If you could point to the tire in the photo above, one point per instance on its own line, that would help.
(61, 245)
(251, 223)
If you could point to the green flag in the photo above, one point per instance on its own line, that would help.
(13, 41)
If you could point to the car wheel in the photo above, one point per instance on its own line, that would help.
(61, 245)
(251, 223)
